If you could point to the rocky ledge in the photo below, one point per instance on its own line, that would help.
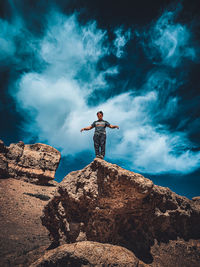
(34, 163)
(26, 185)
(107, 204)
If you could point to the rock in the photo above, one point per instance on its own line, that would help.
(87, 253)
(22, 235)
(23, 238)
(3, 148)
(34, 163)
(3, 160)
(108, 204)
(3, 166)
(196, 199)
(176, 253)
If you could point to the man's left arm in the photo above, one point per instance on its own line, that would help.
(112, 126)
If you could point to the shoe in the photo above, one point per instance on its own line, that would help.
(98, 156)
(53, 245)
(101, 156)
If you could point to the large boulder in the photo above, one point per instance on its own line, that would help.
(108, 204)
(35, 163)
(87, 253)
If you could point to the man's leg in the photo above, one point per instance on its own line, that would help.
(103, 144)
(96, 144)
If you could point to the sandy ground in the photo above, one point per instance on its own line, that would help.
(23, 238)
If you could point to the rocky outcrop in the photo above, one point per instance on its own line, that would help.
(22, 199)
(87, 253)
(108, 204)
(102, 215)
(34, 163)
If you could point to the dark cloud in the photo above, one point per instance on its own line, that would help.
(8, 115)
(136, 58)
(111, 14)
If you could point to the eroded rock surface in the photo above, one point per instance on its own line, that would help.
(108, 204)
(87, 253)
(35, 163)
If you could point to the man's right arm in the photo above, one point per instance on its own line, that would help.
(87, 128)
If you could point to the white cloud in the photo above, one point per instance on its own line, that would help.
(7, 35)
(121, 40)
(147, 148)
(57, 99)
(170, 39)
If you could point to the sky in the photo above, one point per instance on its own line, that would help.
(137, 61)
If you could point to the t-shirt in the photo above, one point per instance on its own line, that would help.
(100, 126)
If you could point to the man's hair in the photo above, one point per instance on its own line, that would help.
(100, 112)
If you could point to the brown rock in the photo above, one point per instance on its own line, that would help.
(196, 199)
(87, 253)
(3, 160)
(176, 253)
(3, 166)
(23, 238)
(108, 204)
(35, 163)
(22, 235)
(3, 148)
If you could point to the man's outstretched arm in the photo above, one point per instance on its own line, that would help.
(113, 126)
(87, 128)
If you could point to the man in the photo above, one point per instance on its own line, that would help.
(100, 134)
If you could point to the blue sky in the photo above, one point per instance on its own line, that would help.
(65, 61)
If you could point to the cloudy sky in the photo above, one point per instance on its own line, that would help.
(137, 61)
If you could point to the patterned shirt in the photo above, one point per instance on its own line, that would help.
(100, 126)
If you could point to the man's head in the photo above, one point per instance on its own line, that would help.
(100, 115)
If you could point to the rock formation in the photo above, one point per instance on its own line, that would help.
(107, 204)
(23, 238)
(88, 253)
(34, 163)
(102, 215)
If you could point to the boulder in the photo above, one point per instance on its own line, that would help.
(34, 163)
(3, 148)
(87, 253)
(196, 199)
(108, 204)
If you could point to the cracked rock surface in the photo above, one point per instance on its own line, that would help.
(34, 163)
(26, 185)
(108, 204)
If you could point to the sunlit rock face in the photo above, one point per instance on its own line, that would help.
(88, 253)
(35, 163)
(108, 204)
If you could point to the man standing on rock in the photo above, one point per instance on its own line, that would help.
(100, 134)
